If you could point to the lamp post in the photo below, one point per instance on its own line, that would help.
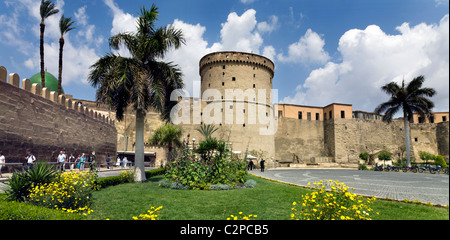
(193, 142)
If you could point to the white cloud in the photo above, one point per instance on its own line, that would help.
(371, 58)
(309, 49)
(122, 22)
(268, 27)
(238, 33)
(247, 1)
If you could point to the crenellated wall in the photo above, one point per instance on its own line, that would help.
(45, 123)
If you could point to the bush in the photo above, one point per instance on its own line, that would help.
(71, 192)
(215, 167)
(20, 183)
(124, 178)
(338, 204)
(250, 183)
(364, 156)
(439, 160)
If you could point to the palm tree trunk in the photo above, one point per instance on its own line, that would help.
(61, 45)
(42, 55)
(139, 151)
(407, 140)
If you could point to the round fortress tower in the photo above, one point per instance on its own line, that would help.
(244, 81)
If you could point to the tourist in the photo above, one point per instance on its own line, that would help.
(78, 161)
(92, 166)
(72, 161)
(61, 161)
(30, 160)
(108, 160)
(125, 162)
(118, 161)
(250, 165)
(262, 164)
(82, 160)
(2, 161)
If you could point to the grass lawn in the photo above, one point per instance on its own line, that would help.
(269, 200)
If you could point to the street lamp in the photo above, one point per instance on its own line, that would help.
(193, 142)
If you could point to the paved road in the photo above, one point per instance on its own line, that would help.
(425, 187)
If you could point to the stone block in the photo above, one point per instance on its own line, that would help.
(14, 79)
(3, 74)
(36, 89)
(26, 84)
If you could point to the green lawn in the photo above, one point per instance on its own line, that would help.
(269, 200)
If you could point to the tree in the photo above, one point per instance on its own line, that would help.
(65, 25)
(385, 156)
(207, 130)
(140, 81)
(47, 9)
(167, 136)
(364, 156)
(411, 99)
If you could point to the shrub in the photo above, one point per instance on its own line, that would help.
(215, 167)
(250, 183)
(71, 192)
(20, 183)
(337, 204)
(364, 156)
(220, 187)
(439, 160)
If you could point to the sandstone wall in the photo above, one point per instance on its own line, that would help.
(297, 141)
(44, 123)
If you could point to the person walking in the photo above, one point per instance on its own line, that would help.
(71, 161)
(82, 160)
(262, 164)
(30, 160)
(118, 161)
(250, 165)
(61, 161)
(108, 160)
(78, 161)
(2, 161)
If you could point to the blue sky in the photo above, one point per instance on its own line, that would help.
(325, 51)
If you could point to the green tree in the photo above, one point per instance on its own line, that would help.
(47, 9)
(207, 130)
(426, 156)
(364, 156)
(168, 136)
(65, 25)
(385, 156)
(411, 99)
(141, 81)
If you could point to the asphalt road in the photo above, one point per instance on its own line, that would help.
(424, 187)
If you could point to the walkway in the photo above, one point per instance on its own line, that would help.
(424, 187)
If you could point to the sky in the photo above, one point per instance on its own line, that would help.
(325, 51)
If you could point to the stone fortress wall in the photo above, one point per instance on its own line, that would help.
(45, 123)
(332, 135)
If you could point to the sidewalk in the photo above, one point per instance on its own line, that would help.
(102, 172)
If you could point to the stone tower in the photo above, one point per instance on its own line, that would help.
(237, 88)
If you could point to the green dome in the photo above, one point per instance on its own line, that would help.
(50, 81)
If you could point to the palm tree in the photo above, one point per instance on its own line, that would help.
(141, 81)
(47, 9)
(65, 25)
(207, 130)
(167, 136)
(411, 99)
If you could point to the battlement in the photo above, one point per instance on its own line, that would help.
(63, 99)
(237, 57)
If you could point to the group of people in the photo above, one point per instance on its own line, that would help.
(251, 165)
(79, 161)
(63, 159)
